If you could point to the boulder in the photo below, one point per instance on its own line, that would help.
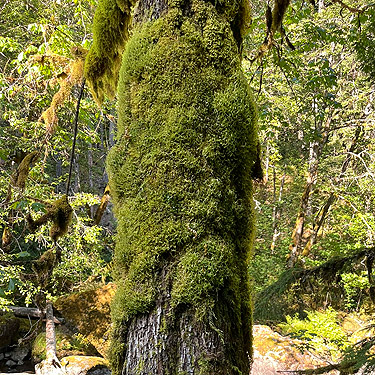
(83, 365)
(88, 312)
(274, 353)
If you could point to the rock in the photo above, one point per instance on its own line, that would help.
(19, 353)
(84, 365)
(1, 356)
(274, 353)
(9, 326)
(10, 363)
(49, 368)
(89, 313)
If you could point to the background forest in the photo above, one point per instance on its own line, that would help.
(314, 85)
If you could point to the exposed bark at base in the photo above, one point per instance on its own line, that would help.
(158, 345)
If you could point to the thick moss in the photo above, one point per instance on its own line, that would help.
(60, 213)
(111, 22)
(180, 173)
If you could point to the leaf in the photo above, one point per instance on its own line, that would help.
(38, 207)
(11, 285)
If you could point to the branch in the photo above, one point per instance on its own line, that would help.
(351, 9)
(30, 312)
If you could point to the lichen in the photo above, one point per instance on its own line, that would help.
(180, 173)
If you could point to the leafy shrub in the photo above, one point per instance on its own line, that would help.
(320, 330)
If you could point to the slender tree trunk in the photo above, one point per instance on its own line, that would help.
(51, 365)
(267, 163)
(180, 176)
(322, 214)
(315, 151)
(297, 236)
(277, 214)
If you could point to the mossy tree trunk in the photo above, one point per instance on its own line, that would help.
(181, 178)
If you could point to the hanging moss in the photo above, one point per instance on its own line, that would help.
(111, 23)
(20, 176)
(60, 213)
(180, 173)
(73, 74)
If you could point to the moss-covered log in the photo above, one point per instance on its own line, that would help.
(181, 179)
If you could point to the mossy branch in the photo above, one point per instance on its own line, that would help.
(111, 23)
(327, 272)
(60, 213)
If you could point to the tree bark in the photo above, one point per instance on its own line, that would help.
(316, 149)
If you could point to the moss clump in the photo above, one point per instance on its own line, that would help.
(72, 75)
(180, 173)
(60, 213)
(111, 22)
(20, 176)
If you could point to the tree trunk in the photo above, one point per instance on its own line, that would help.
(180, 177)
(316, 149)
(51, 365)
(318, 223)
(277, 212)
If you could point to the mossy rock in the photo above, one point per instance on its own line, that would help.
(89, 313)
(65, 345)
(85, 365)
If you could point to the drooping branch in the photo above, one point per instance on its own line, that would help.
(111, 23)
(303, 279)
(102, 206)
(274, 21)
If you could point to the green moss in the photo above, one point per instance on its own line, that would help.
(65, 345)
(111, 23)
(61, 213)
(180, 173)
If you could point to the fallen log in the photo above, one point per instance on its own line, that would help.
(30, 312)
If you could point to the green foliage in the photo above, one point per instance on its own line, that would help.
(313, 98)
(66, 345)
(39, 41)
(355, 286)
(365, 41)
(320, 331)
